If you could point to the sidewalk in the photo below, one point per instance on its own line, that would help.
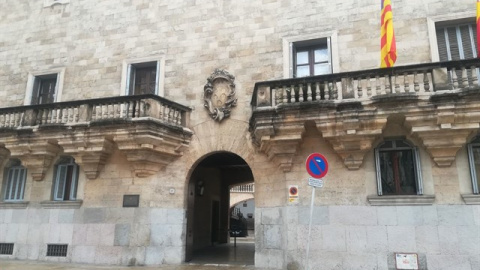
(36, 265)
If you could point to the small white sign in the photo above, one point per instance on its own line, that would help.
(315, 182)
(406, 261)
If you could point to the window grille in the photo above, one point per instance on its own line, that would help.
(6, 248)
(54, 250)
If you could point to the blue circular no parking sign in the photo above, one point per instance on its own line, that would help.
(317, 165)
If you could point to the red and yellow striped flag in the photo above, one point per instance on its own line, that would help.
(478, 28)
(388, 45)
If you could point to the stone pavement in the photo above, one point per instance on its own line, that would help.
(35, 265)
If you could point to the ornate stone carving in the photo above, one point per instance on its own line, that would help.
(282, 147)
(352, 137)
(89, 152)
(36, 155)
(219, 94)
(150, 154)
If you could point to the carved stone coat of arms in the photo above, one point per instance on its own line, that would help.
(219, 94)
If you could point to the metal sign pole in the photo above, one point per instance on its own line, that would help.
(310, 228)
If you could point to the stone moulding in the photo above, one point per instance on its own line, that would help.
(219, 94)
(151, 149)
(90, 152)
(36, 154)
(391, 200)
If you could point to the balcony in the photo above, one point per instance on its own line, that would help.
(151, 131)
(439, 102)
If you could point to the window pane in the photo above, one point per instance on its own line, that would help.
(60, 182)
(476, 161)
(145, 80)
(397, 172)
(302, 58)
(321, 55)
(321, 69)
(303, 71)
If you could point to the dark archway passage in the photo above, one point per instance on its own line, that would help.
(208, 219)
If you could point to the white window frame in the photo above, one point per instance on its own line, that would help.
(471, 162)
(31, 82)
(20, 184)
(74, 183)
(127, 67)
(432, 34)
(417, 167)
(288, 44)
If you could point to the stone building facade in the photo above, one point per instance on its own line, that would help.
(124, 124)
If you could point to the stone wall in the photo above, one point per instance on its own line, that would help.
(92, 39)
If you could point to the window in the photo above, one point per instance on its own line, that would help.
(66, 178)
(474, 160)
(14, 181)
(398, 168)
(311, 57)
(44, 89)
(456, 41)
(143, 78)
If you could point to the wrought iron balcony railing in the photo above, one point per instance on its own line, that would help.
(83, 112)
(420, 80)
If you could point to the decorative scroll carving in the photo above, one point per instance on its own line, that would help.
(150, 154)
(219, 94)
(352, 138)
(36, 155)
(282, 147)
(89, 152)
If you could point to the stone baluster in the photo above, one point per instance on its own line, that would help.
(388, 87)
(474, 76)
(326, 91)
(309, 92)
(130, 109)
(49, 116)
(317, 91)
(338, 92)
(385, 85)
(398, 89)
(369, 86)
(464, 77)
(426, 82)
(454, 78)
(406, 81)
(292, 93)
(378, 87)
(416, 84)
(359, 87)
(76, 115)
(300, 93)
(284, 95)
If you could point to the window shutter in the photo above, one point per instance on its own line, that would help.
(418, 171)
(21, 181)
(131, 80)
(9, 187)
(453, 41)
(442, 45)
(466, 41)
(60, 183)
(36, 87)
(73, 189)
(15, 184)
(157, 77)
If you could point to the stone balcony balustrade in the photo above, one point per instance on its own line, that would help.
(150, 130)
(439, 102)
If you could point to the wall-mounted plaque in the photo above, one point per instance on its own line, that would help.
(406, 261)
(131, 200)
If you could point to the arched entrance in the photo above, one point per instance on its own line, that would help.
(208, 213)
